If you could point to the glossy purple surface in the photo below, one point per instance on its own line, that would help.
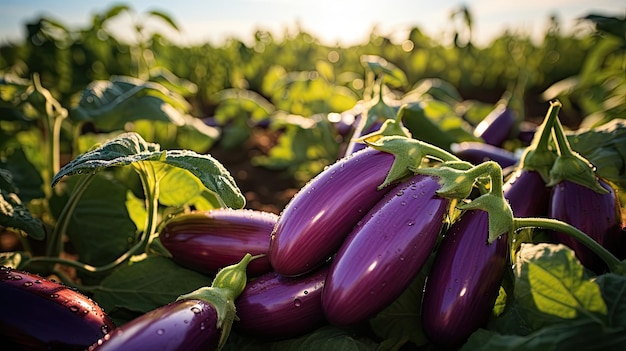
(319, 217)
(597, 215)
(497, 126)
(527, 194)
(39, 314)
(209, 240)
(477, 152)
(185, 325)
(276, 307)
(464, 281)
(384, 252)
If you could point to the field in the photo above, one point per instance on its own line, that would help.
(103, 143)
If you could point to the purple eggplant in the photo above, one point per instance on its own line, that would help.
(597, 215)
(497, 126)
(199, 320)
(463, 282)
(40, 314)
(206, 241)
(319, 217)
(273, 306)
(527, 194)
(384, 252)
(354, 146)
(180, 325)
(478, 152)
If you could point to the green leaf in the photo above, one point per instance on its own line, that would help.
(434, 122)
(613, 288)
(131, 147)
(583, 335)
(147, 284)
(26, 178)
(324, 338)
(101, 228)
(211, 173)
(551, 286)
(393, 75)
(438, 89)
(13, 90)
(13, 214)
(123, 150)
(178, 187)
(164, 17)
(605, 148)
(110, 104)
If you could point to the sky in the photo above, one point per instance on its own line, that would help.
(333, 22)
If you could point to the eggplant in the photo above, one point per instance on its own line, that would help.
(597, 215)
(384, 252)
(40, 314)
(354, 146)
(497, 126)
(476, 152)
(527, 194)
(274, 306)
(206, 241)
(464, 281)
(318, 218)
(180, 325)
(199, 320)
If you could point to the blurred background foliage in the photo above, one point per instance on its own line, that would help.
(289, 85)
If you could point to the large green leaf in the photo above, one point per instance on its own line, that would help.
(551, 286)
(145, 285)
(393, 75)
(110, 104)
(128, 148)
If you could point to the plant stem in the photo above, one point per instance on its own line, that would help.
(613, 263)
(55, 244)
(433, 151)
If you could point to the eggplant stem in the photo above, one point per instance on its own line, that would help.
(613, 263)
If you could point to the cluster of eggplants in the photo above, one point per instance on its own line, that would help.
(206, 241)
(385, 251)
(41, 314)
(323, 212)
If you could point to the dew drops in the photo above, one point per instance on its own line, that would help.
(104, 329)
(410, 223)
(306, 292)
(401, 258)
(202, 326)
(27, 284)
(160, 331)
(403, 203)
(54, 296)
(37, 281)
(17, 277)
(195, 310)
(297, 302)
(74, 308)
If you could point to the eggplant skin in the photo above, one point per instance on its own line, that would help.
(318, 218)
(477, 152)
(183, 325)
(597, 215)
(384, 252)
(497, 126)
(527, 194)
(274, 306)
(463, 282)
(206, 241)
(40, 314)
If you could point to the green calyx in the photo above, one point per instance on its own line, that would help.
(539, 156)
(227, 285)
(408, 153)
(571, 166)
